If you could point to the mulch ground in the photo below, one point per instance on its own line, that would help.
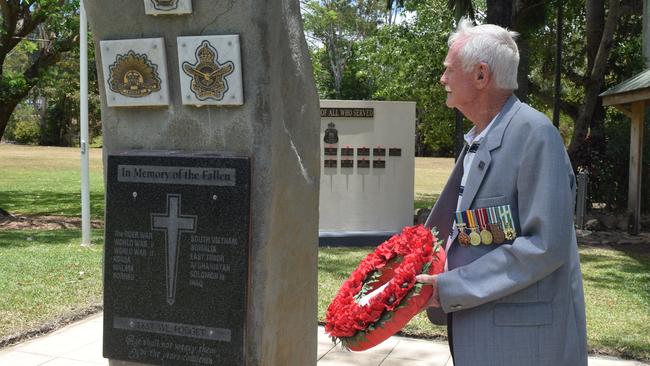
(44, 223)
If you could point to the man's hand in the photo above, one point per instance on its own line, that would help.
(434, 300)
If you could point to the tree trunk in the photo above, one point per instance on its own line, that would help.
(524, 68)
(595, 80)
(499, 12)
(7, 107)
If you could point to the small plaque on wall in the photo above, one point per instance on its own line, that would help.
(379, 151)
(135, 72)
(167, 7)
(363, 163)
(210, 70)
(330, 163)
(330, 151)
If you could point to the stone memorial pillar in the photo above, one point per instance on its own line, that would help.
(211, 149)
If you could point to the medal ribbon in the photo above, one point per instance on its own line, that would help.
(510, 221)
(504, 212)
(459, 218)
(481, 219)
(491, 215)
(470, 217)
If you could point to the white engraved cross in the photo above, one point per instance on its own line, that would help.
(173, 224)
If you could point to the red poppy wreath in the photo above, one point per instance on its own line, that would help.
(381, 295)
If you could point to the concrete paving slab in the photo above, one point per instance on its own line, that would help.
(611, 361)
(64, 341)
(324, 348)
(55, 345)
(417, 349)
(12, 357)
(339, 357)
(69, 362)
(394, 361)
(91, 353)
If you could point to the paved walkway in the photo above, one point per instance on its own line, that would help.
(80, 344)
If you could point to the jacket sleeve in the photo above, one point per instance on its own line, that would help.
(545, 196)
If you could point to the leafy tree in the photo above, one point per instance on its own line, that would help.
(333, 27)
(45, 29)
(610, 53)
(405, 62)
(58, 90)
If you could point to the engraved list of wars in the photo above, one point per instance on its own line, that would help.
(176, 260)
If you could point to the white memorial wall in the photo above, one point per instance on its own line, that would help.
(367, 170)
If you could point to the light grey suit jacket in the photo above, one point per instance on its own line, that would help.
(521, 302)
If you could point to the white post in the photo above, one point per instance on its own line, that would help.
(83, 98)
(646, 32)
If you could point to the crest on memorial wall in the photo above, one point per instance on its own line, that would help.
(331, 134)
(165, 5)
(133, 75)
(208, 75)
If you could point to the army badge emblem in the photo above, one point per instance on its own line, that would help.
(165, 5)
(208, 75)
(331, 134)
(133, 75)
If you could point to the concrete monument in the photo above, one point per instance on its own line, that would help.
(176, 166)
(367, 171)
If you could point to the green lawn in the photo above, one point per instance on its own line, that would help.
(45, 277)
(47, 181)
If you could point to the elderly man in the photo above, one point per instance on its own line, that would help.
(512, 290)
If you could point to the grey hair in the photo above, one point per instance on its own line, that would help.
(491, 44)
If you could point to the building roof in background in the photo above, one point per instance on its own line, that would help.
(631, 90)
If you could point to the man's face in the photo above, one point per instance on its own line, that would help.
(459, 85)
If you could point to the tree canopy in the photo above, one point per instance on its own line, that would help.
(33, 37)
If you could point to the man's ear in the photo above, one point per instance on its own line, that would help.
(483, 75)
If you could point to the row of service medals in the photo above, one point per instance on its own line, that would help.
(486, 226)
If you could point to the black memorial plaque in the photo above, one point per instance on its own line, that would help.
(347, 151)
(379, 164)
(330, 163)
(347, 163)
(379, 151)
(176, 261)
(394, 151)
(363, 163)
(330, 151)
(363, 151)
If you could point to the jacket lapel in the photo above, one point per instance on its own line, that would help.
(483, 158)
(446, 203)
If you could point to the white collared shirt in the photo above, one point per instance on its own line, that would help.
(473, 141)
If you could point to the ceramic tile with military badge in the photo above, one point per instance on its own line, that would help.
(167, 7)
(135, 72)
(210, 70)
